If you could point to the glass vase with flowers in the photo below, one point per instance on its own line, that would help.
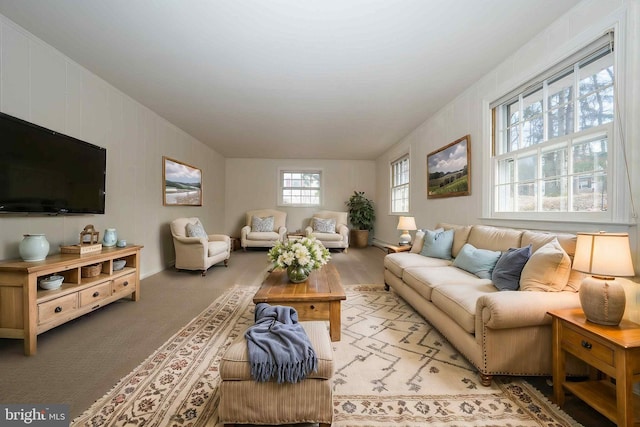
(299, 257)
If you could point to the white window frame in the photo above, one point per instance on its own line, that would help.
(617, 212)
(281, 186)
(402, 187)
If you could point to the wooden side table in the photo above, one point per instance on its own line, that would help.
(614, 351)
(398, 248)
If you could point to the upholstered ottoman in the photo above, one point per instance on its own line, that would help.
(245, 401)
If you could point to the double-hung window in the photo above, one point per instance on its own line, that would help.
(300, 188)
(400, 185)
(552, 141)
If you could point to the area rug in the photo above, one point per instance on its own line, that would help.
(392, 368)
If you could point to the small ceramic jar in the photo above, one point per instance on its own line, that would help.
(110, 237)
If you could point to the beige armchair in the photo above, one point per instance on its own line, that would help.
(336, 236)
(262, 232)
(195, 249)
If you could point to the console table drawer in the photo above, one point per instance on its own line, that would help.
(94, 294)
(124, 284)
(586, 348)
(57, 308)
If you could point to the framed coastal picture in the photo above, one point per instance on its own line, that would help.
(182, 183)
(449, 170)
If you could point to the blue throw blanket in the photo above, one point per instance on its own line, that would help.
(278, 346)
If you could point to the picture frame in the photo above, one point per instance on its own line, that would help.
(449, 170)
(181, 183)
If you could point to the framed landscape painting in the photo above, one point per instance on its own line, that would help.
(182, 183)
(449, 170)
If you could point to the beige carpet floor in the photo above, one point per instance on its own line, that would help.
(392, 368)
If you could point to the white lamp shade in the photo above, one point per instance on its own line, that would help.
(406, 223)
(603, 254)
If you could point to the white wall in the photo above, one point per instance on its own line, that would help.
(468, 114)
(41, 85)
(253, 184)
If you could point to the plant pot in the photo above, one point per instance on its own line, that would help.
(359, 238)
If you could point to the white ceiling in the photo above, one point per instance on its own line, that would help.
(324, 79)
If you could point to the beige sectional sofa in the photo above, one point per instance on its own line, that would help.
(500, 332)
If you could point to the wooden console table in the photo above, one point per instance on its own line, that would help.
(26, 310)
(612, 350)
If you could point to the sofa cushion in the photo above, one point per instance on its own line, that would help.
(437, 244)
(460, 235)
(262, 225)
(424, 279)
(459, 301)
(217, 247)
(265, 236)
(548, 269)
(575, 281)
(494, 238)
(397, 262)
(479, 262)
(506, 274)
(327, 237)
(538, 239)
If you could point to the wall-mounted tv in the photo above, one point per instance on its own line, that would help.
(46, 172)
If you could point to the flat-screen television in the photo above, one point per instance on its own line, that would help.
(46, 172)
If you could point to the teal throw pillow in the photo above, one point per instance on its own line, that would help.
(437, 243)
(506, 274)
(196, 230)
(262, 224)
(480, 262)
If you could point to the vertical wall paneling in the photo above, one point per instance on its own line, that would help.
(15, 73)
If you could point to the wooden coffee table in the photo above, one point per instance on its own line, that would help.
(317, 298)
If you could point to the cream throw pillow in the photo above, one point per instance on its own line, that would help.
(547, 270)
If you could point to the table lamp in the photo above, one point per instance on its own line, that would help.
(406, 223)
(603, 255)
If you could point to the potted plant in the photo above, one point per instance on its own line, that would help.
(362, 217)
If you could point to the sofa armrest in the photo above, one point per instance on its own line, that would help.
(308, 230)
(190, 240)
(282, 231)
(343, 230)
(516, 309)
(219, 238)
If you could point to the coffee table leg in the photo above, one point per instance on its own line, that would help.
(334, 320)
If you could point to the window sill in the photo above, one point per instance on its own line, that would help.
(559, 225)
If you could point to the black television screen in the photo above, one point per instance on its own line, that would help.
(43, 171)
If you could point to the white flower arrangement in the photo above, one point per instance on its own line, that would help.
(307, 253)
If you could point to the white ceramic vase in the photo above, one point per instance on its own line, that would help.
(34, 247)
(110, 237)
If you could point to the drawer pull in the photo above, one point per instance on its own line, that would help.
(97, 306)
(586, 344)
(313, 307)
(58, 309)
(96, 294)
(126, 283)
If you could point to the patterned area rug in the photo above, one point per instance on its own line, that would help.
(392, 368)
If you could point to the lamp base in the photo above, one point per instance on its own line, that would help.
(405, 238)
(603, 300)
